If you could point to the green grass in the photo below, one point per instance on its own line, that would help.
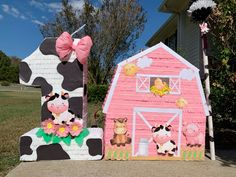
(19, 113)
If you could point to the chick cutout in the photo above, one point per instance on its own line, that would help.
(181, 103)
(130, 69)
(160, 88)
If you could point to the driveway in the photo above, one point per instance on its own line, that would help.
(224, 166)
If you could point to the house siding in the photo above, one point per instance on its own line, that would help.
(189, 40)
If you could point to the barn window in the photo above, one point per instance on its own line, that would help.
(150, 83)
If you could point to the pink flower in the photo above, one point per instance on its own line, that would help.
(48, 126)
(62, 131)
(75, 128)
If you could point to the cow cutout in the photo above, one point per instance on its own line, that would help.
(63, 86)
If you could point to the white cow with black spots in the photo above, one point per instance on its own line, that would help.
(162, 138)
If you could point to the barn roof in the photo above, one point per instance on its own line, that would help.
(141, 54)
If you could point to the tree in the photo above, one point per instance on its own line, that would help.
(223, 70)
(9, 71)
(114, 26)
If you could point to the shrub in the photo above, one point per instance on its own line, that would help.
(97, 93)
(5, 83)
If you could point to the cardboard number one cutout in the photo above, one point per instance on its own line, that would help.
(59, 67)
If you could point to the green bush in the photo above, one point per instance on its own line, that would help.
(97, 93)
(5, 83)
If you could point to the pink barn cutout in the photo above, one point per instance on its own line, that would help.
(155, 109)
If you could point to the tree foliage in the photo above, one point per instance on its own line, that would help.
(113, 26)
(223, 76)
(8, 68)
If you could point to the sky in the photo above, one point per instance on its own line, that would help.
(20, 21)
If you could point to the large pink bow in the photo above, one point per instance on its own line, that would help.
(64, 47)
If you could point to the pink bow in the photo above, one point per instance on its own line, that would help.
(64, 47)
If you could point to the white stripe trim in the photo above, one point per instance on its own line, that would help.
(112, 89)
(200, 88)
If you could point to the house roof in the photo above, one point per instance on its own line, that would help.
(173, 6)
(145, 52)
(167, 29)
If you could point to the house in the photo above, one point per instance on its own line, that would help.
(155, 108)
(179, 32)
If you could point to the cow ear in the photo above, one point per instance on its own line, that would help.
(125, 119)
(153, 129)
(115, 120)
(47, 97)
(66, 95)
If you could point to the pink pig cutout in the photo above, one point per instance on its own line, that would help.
(193, 135)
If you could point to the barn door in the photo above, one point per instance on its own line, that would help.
(139, 114)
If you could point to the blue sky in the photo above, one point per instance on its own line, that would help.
(20, 20)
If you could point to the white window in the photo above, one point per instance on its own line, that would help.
(145, 82)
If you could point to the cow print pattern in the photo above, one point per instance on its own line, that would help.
(95, 146)
(46, 88)
(25, 143)
(67, 70)
(25, 72)
(51, 152)
(48, 47)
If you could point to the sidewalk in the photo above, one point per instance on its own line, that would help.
(224, 166)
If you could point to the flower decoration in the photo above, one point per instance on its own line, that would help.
(75, 129)
(130, 69)
(203, 27)
(48, 126)
(181, 103)
(62, 130)
(160, 88)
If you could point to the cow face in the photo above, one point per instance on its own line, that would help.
(161, 133)
(120, 126)
(58, 103)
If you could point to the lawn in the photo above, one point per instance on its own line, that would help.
(19, 113)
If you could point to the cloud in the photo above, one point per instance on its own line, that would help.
(37, 22)
(13, 11)
(37, 4)
(10, 10)
(187, 74)
(144, 62)
(1, 17)
(56, 6)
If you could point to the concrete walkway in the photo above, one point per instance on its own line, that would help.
(224, 166)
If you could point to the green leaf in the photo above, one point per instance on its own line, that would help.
(67, 140)
(56, 139)
(80, 138)
(47, 138)
(40, 132)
